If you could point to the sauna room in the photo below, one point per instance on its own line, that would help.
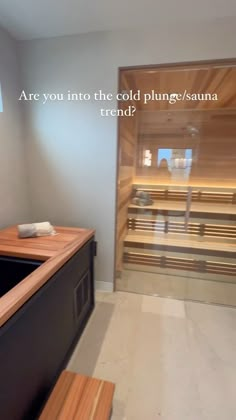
(176, 207)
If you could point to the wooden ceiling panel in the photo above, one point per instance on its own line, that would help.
(209, 79)
(181, 122)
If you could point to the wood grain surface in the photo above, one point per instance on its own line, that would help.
(126, 170)
(77, 397)
(54, 250)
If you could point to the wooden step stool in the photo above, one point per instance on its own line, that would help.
(78, 397)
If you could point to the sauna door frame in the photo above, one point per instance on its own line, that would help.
(162, 66)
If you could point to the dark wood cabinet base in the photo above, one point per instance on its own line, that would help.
(37, 341)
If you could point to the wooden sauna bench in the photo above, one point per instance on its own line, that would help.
(171, 205)
(47, 297)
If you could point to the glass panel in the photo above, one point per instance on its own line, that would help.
(181, 219)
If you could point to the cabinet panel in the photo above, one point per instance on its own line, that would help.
(36, 342)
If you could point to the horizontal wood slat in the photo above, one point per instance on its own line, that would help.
(152, 211)
(180, 263)
(201, 229)
(197, 196)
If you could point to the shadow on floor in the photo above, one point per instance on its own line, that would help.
(86, 353)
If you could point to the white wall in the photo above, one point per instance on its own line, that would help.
(71, 149)
(14, 205)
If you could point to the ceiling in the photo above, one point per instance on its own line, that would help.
(187, 124)
(184, 118)
(27, 19)
(218, 81)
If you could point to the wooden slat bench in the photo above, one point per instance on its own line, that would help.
(78, 397)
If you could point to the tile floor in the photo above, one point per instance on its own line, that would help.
(170, 360)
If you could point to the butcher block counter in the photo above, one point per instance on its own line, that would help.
(47, 296)
(53, 250)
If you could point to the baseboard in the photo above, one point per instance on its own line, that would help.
(104, 286)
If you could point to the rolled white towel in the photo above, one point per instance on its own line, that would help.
(44, 228)
(26, 230)
(35, 229)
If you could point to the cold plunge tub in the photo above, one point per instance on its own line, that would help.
(45, 304)
(13, 270)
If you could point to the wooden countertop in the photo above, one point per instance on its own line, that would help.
(54, 250)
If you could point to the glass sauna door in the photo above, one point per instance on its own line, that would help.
(182, 243)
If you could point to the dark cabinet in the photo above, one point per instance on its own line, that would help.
(36, 342)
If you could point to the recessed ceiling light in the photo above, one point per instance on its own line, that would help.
(192, 130)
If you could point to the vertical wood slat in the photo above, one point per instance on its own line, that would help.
(126, 167)
(72, 399)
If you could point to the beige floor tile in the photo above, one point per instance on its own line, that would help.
(117, 353)
(163, 386)
(165, 307)
(170, 360)
(214, 386)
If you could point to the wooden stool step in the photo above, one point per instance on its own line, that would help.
(78, 397)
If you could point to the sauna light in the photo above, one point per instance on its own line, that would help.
(192, 130)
